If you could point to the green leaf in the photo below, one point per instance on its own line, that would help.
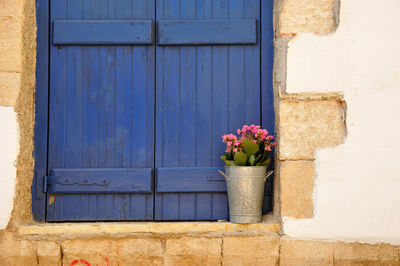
(249, 147)
(240, 158)
(252, 160)
(264, 163)
(223, 158)
(229, 163)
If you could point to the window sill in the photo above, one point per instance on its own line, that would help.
(146, 227)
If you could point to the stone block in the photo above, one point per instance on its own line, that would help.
(251, 250)
(365, 254)
(146, 251)
(48, 253)
(298, 252)
(16, 252)
(297, 186)
(125, 251)
(315, 16)
(11, 8)
(193, 251)
(10, 44)
(307, 125)
(92, 251)
(9, 87)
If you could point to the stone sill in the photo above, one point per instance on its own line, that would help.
(146, 227)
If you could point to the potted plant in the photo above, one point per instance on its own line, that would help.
(246, 158)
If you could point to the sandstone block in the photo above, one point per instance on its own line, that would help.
(48, 253)
(364, 254)
(193, 251)
(297, 252)
(10, 44)
(306, 125)
(142, 251)
(315, 16)
(297, 186)
(9, 87)
(92, 251)
(11, 8)
(146, 251)
(16, 252)
(251, 250)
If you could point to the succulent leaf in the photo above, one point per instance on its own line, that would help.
(252, 160)
(264, 163)
(230, 163)
(249, 147)
(240, 158)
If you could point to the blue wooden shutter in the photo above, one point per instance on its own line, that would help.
(207, 84)
(101, 110)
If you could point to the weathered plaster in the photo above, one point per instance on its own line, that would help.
(357, 184)
(8, 155)
(25, 109)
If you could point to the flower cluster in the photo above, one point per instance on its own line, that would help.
(250, 147)
(232, 143)
(256, 135)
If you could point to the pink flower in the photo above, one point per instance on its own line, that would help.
(235, 150)
(238, 131)
(245, 128)
(268, 148)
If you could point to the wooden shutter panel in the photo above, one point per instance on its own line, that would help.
(207, 84)
(101, 111)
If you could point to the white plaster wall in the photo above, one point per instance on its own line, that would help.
(8, 154)
(357, 184)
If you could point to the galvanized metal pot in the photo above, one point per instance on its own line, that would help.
(245, 186)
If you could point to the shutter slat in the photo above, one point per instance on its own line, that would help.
(102, 32)
(202, 32)
(199, 179)
(100, 181)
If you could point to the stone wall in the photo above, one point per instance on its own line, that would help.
(353, 69)
(315, 113)
(262, 249)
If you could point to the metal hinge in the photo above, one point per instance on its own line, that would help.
(85, 181)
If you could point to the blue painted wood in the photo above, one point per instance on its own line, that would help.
(202, 92)
(102, 116)
(267, 99)
(106, 180)
(41, 110)
(102, 32)
(196, 179)
(102, 107)
(195, 32)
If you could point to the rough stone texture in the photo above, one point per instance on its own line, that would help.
(297, 185)
(315, 16)
(364, 254)
(306, 125)
(268, 226)
(14, 252)
(11, 8)
(92, 251)
(140, 252)
(297, 252)
(257, 250)
(193, 251)
(145, 251)
(9, 88)
(10, 44)
(25, 109)
(48, 253)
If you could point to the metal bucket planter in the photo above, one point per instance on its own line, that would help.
(245, 186)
